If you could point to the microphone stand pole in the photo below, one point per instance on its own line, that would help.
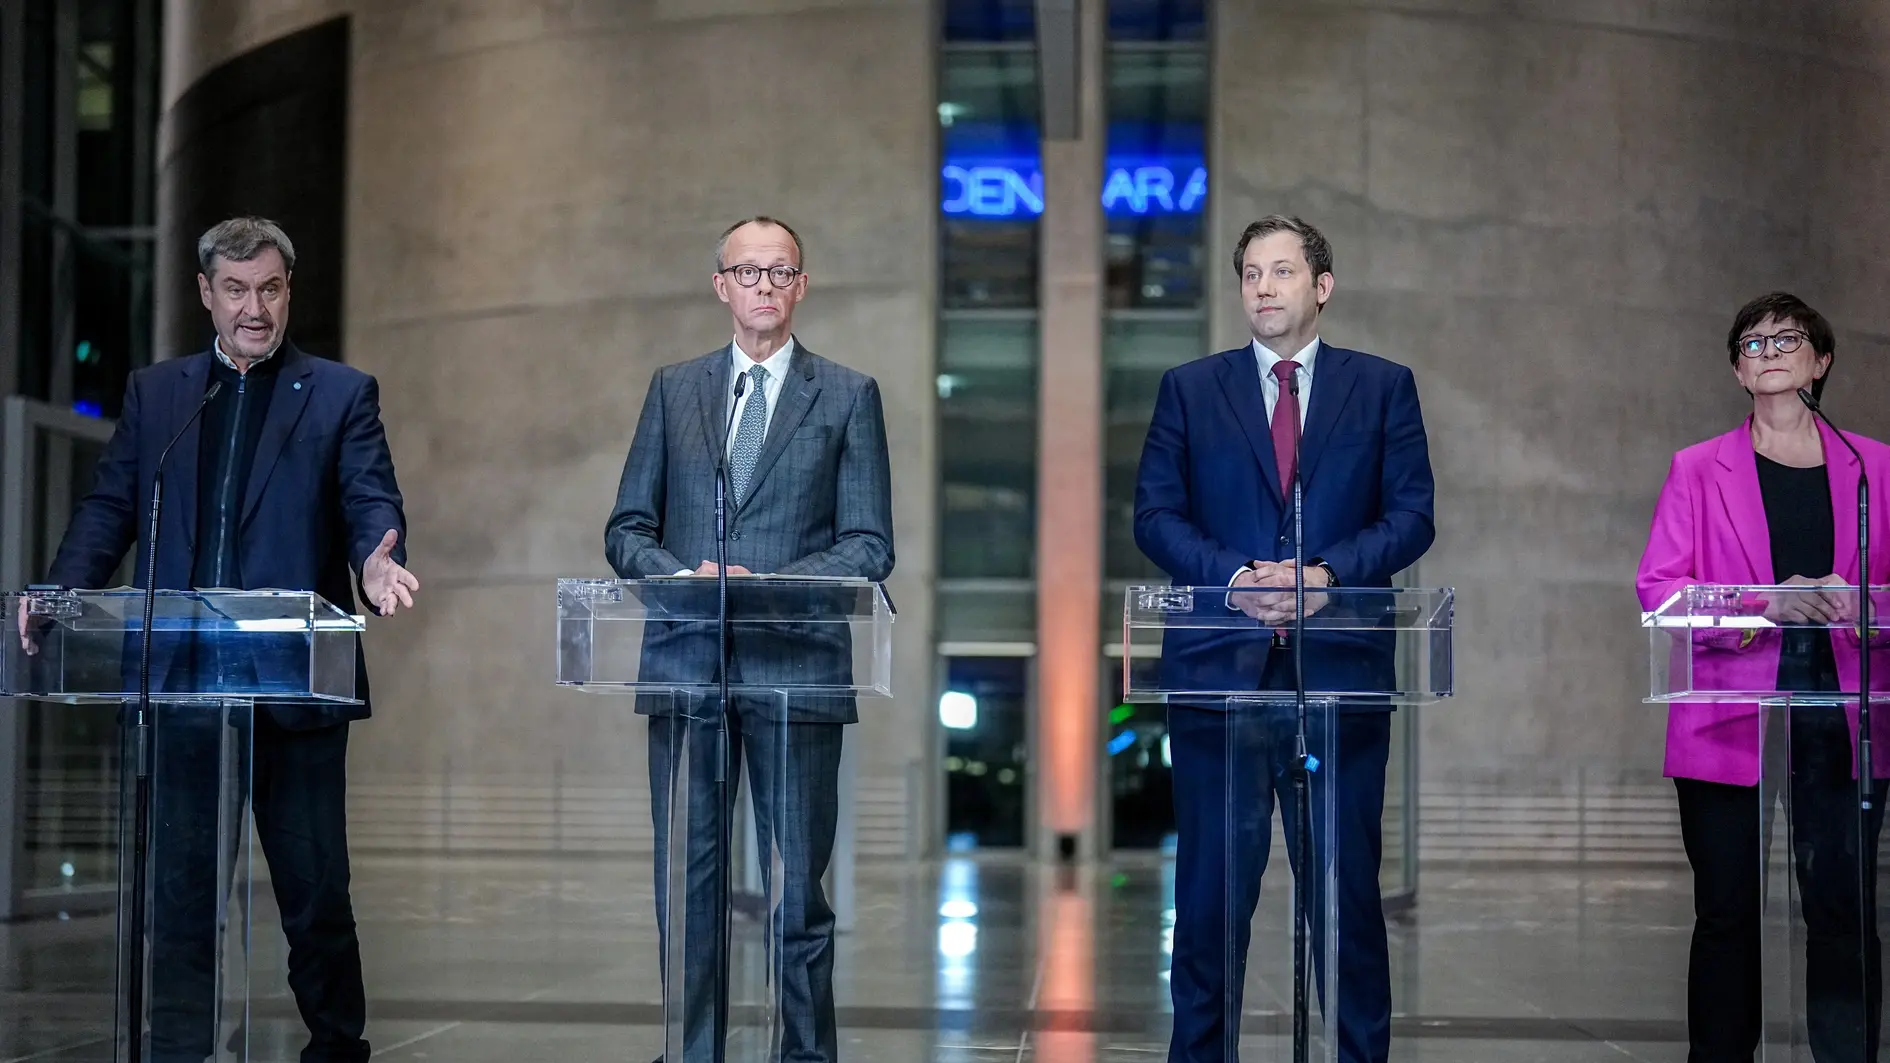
(1866, 784)
(723, 784)
(132, 929)
(1304, 764)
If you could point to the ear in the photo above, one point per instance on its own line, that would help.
(203, 290)
(1821, 366)
(1324, 286)
(720, 283)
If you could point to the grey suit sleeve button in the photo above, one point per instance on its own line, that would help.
(734, 536)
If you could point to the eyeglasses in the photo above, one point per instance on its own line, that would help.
(748, 276)
(1785, 342)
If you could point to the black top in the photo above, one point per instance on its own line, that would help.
(232, 427)
(1804, 537)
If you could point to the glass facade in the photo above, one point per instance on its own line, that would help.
(990, 209)
(990, 178)
(1154, 205)
(86, 175)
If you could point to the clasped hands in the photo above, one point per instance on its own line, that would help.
(1836, 605)
(1265, 592)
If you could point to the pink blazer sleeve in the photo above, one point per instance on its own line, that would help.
(1671, 561)
(1668, 563)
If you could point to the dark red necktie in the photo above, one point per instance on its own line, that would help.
(1285, 425)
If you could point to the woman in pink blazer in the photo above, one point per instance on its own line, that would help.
(1774, 501)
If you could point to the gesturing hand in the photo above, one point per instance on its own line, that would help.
(387, 584)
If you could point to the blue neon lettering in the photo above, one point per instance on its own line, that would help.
(1013, 187)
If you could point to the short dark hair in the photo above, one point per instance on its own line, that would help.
(1784, 307)
(241, 239)
(1318, 250)
(800, 256)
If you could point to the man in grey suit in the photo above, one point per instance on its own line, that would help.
(809, 494)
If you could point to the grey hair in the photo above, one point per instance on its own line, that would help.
(241, 239)
(721, 244)
(1318, 251)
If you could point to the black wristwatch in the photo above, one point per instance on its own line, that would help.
(1332, 578)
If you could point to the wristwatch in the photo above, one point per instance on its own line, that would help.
(1332, 578)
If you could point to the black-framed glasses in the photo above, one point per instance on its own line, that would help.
(1785, 343)
(748, 276)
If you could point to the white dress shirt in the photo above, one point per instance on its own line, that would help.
(1270, 388)
(1270, 384)
(777, 365)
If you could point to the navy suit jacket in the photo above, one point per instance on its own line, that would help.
(1208, 500)
(321, 493)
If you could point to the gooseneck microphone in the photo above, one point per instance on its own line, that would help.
(140, 747)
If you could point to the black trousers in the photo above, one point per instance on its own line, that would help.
(1723, 828)
(295, 784)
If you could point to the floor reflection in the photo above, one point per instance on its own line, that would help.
(966, 958)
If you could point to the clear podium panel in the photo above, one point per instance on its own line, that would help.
(210, 645)
(749, 971)
(192, 1002)
(1239, 932)
(795, 635)
(1723, 643)
(1388, 646)
(1817, 1002)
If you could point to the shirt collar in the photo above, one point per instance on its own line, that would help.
(1268, 359)
(776, 364)
(216, 345)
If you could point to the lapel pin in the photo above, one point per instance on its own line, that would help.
(298, 385)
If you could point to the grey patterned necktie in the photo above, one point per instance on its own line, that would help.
(749, 434)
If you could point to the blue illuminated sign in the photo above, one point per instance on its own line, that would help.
(1013, 187)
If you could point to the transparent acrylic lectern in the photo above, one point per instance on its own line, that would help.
(738, 971)
(1761, 685)
(183, 968)
(1223, 661)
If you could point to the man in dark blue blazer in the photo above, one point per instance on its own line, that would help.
(284, 481)
(1213, 507)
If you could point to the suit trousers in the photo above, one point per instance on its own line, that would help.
(1724, 829)
(1230, 768)
(793, 780)
(295, 783)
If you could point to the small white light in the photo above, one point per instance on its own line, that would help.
(957, 710)
(959, 909)
(957, 940)
(1166, 762)
(66, 870)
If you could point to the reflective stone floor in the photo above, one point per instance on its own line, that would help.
(477, 959)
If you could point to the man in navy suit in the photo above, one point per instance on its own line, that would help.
(284, 481)
(1213, 507)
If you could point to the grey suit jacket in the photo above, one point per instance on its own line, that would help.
(819, 503)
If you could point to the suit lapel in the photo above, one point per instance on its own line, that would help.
(184, 400)
(1240, 382)
(1745, 507)
(1333, 377)
(1841, 467)
(712, 392)
(286, 404)
(798, 392)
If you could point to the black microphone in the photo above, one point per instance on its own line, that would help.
(141, 743)
(151, 547)
(1866, 783)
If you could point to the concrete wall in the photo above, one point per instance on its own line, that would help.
(1551, 212)
(534, 197)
